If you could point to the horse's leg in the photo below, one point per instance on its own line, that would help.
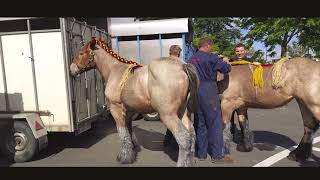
(311, 125)
(127, 153)
(188, 121)
(233, 125)
(183, 136)
(133, 135)
(228, 105)
(226, 110)
(246, 144)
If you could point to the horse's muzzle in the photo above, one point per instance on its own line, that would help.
(74, 69)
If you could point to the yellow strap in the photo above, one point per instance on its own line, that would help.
(125, 77)
(240, 62)
(258, 77)
(257, 80)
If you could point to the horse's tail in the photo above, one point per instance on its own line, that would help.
(191, 71)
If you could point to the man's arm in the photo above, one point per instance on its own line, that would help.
(221, 65)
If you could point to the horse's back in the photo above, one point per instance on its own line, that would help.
(303, 75)
(239, 85)
(304, 65)
(167, 69)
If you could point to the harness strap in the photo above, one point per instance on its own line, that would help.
(124, 77)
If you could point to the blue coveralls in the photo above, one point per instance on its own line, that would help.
(208, 121)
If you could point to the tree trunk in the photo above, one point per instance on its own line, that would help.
(284, 50)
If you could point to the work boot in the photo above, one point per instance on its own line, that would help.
(225, 159)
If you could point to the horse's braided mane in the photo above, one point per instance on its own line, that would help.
(101, 43)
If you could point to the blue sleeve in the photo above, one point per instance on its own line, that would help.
(220, 65)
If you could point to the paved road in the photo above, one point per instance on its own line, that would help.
(275, 131)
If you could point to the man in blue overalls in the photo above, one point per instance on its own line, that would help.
(208, 121)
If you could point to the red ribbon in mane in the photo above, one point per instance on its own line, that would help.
(101, 43)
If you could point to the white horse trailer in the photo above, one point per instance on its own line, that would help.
(37, 94)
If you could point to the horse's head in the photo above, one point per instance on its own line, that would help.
(85, 60)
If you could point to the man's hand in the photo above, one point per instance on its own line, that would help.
(224, 58)
(220, 76)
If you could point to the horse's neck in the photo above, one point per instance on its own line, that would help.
(106, 64)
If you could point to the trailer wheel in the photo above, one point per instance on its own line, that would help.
(19, 144)
(151, 117)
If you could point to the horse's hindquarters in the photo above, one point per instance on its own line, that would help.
(135, 94)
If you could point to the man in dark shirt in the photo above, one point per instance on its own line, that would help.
(208, 121)
(241, 53)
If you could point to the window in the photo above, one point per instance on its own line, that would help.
(35, 24)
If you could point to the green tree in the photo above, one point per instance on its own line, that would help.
(297, 50)
(310, 35)
(272, 31)
(256, 56)
(222, 30)
(280, 31)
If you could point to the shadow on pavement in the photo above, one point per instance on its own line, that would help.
(266, 140)
(57, 142)
(149, 140)
(60, 141)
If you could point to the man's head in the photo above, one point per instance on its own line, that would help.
(240, 50)
(175, 50)
(205, 44)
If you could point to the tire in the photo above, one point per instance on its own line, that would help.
(151, 117)
(27, 147)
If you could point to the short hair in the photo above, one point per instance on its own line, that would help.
(205, 41)
(174, 50)
(240, 45)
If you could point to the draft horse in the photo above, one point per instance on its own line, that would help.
(297, 78)
(164, 86)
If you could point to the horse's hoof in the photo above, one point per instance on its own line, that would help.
(296, 156)
(244, 148)
(127, 156)
(292, 156)
(186, 163)
(137, 148)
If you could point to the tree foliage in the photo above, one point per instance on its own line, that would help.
(280, 31)
(271, 31)
(296, 50)
(222, 30)
(310, 35)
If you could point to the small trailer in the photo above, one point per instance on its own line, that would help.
(37, 94)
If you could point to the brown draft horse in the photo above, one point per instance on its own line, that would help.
(299, 79)
(162, 86)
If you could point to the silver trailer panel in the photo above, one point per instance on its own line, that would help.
(166, 26)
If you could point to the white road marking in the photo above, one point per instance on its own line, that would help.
(316, 149)
(277, 157)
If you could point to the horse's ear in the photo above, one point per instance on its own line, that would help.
(93, 43)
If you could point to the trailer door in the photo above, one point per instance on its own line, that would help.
(19, 78)
(88, 94)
